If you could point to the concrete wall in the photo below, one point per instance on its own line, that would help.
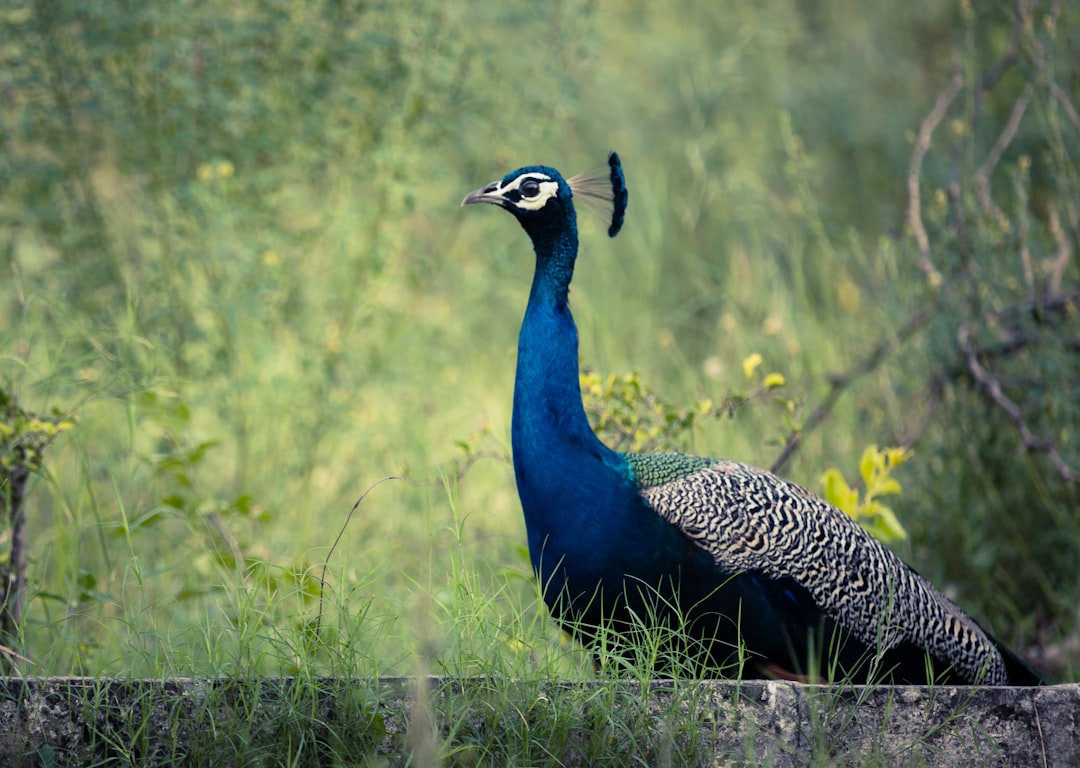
(79, 721)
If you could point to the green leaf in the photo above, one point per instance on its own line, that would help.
(97, 597)
(176, 501)
(894, 457)
(889, 526)
(839, 493)
(193, 592)
(868, 463)
(242, 504)
(199, 451)
(886, 486)
(86, 580)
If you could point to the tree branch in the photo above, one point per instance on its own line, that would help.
(1004, 139)
(840, 382)
(1064, 252)
(922, 145)
(992, 387)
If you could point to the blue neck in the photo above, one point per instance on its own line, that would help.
(548, 413)
(564, 473)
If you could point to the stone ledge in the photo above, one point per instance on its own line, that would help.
(78, 721)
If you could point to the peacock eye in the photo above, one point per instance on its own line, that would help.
(530, 188)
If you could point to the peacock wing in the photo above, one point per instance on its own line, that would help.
(751, 521)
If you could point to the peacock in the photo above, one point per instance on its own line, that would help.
(697, 565)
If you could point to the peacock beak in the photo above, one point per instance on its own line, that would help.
(488, 194)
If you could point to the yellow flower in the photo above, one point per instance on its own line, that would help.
(204, 172)
(750, 364)
(774, 380)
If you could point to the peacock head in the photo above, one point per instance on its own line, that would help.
(539, 197)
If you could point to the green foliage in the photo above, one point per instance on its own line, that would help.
(631, 417)
(875, 468)
(23, 435)
(993, 246)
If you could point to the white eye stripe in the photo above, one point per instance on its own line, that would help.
(548, 190)
(535, 176)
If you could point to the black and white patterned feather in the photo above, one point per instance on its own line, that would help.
(752, 521)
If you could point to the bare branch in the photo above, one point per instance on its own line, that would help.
(1004, 139)
(992, 75)
(931, 401)
(1064, 252)
(1059, 303)
(1008, 60)
(1040, 64)
(1066, 103)
(992, 386)
(1026, 261)
(922, 146)
(840, 382)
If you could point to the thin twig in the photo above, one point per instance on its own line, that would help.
(1043, 309)
(1059, 303)
(1064, 252)
(1023, 235)
(1066, 103)
(1038, 727)
(922, 145)
(994, 73)
(1005, 63)
(840, 382)
(931, 400)
(1004, 139)
(337, 539)
(12, 654)
(1040, 64)
(462, 467)
(992, 386)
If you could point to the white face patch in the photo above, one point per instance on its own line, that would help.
(535, 190)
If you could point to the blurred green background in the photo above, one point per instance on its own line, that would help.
(233, 251)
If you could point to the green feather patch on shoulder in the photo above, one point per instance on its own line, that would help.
(653, 469)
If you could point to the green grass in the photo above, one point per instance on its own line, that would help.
(236, 257)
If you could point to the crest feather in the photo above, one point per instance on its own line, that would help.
(604, 189)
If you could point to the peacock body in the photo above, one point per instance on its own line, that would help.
(716, 566)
